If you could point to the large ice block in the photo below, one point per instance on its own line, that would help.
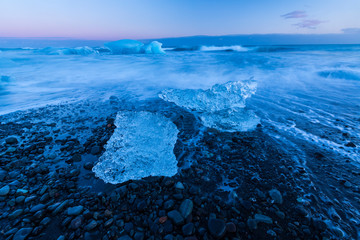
(141, 146)
(221, 106)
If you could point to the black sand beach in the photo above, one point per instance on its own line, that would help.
(229, 185)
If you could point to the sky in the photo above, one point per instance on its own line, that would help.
(144, 19)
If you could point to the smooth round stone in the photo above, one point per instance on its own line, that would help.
(20, 199)
(95, 150)
(276, 196)
(3, 174)
(45, 221)
(22, 234)
(11, 140)
(11, 149)
(74, 211)
(186, 208)
(263, 219)
(179, 186)
(188, 229)
(217, 227)
(4, 190)
(176, 217)
(252, 224)
(230, 227)
(93, 224)
(37, 208)
(15, 214)
(76, 223)
(169, 204)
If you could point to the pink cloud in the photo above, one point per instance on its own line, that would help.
(308, 23)
(295, 14)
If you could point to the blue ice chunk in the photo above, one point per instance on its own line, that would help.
(142, 145)
(127, 46)
(153, 47)
(221, 107)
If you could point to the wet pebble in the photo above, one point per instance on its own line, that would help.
(217, 227)
(15, 214)
(11, 140)
(186, 208)
(93, 224)
(74, 211)
(76, 222)
(263, 219)
(188, 229)
(176, 217)
(276, 196)
(22, 234)
(37, 208)
(4, 190)
(230, 227)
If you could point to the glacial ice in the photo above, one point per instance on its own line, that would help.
(221, 107)
(127, 46)
(153, 47)
(141, 146)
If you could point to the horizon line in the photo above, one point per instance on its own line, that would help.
(186, 36)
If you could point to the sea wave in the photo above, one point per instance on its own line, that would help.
(234, 48)
(340, 74)
(68, 51)
(205, 48)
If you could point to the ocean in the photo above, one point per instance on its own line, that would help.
(291, 110)
(300, 88)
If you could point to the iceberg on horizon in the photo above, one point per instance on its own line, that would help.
(128, 46)
(221, 107)
(142, 145)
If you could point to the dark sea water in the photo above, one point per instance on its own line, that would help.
(300, 89)
(295, 105)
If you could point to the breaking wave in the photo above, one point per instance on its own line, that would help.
(68, 51)
(340, 74)
(204, 48)
(235, 48)
(116, 47)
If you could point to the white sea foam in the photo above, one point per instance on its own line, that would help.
(235, 48)
(68, 51)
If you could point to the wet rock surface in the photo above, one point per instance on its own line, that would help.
(229, 185)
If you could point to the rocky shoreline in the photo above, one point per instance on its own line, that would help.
(229, 185)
